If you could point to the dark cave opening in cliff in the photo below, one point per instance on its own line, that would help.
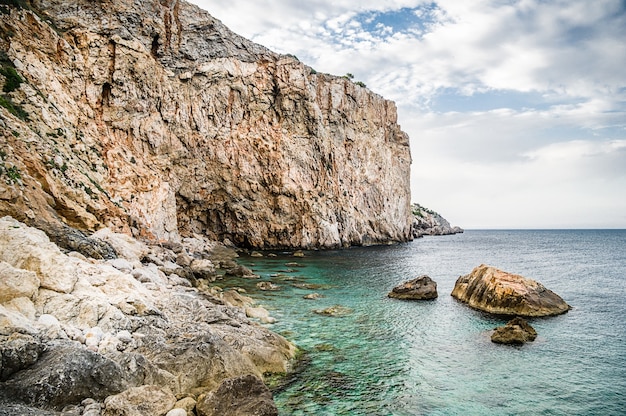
(154, 50)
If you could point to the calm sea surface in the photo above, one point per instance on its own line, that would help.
(392, 357)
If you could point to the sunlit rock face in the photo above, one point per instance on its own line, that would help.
(152, 118)
(489, 289)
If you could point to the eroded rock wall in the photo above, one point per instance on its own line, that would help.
(152, 118)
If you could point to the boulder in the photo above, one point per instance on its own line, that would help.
(140, 401)
(492, 290)
(65, 375)
(15, 283)
(420, 288)
(241, 271)
(261, 314)
(126, 246)
(240, 396)
(517, 331)
(17, 352)
(187, 404)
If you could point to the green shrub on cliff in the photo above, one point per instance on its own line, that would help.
(12, 79)
(15, 109)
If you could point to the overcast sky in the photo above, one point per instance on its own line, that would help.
(516, 109)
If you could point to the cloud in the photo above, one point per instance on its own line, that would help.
(521, 103)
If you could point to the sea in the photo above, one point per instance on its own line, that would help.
(383, 356)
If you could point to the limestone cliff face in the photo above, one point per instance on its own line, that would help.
(152, 118)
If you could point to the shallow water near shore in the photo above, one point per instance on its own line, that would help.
(393, 357)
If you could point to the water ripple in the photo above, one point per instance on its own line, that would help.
(391, 357)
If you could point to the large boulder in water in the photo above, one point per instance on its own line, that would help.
(420, 288)
(495, 291)
(517, 331)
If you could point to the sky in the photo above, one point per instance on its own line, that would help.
(516, 109)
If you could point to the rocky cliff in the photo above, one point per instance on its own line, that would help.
(428, 222)
(153, 119)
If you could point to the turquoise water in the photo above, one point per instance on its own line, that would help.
(392, 357)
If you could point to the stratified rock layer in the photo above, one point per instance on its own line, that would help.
(152, 118)
(495, 291)
(420, 288)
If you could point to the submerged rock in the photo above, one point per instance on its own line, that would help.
(267, 286)
(261, 314)
(312, 286)
(336, 311)
(516, 331)
(241, 271)
(421, 288)
(495, 291)
(313, 296)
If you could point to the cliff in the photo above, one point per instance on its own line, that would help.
(429, 222)
(153, 119)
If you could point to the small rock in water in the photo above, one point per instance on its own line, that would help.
(241, 271)
(311, 286)
(324, 347)
(517, 331)
(267, 286)
(312, 296)
(298, 253)
(256, 254)
(294, 264)
(336, 311)
(261, 314)
(421, 288)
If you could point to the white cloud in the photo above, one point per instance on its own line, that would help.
(538, 90)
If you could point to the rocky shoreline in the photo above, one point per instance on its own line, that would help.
(102, 336)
